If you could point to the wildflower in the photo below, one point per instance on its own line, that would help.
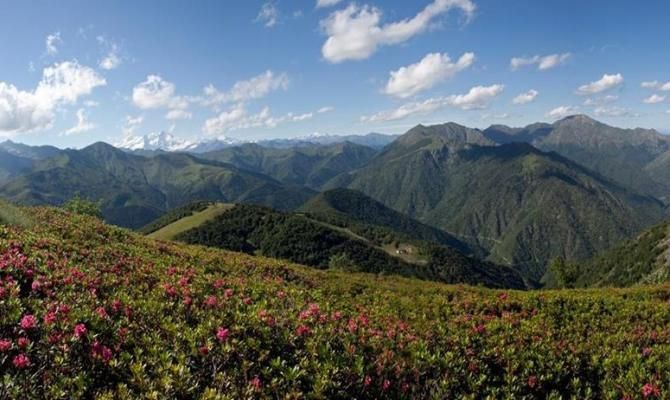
(23, 342)
(116, 305)
(367, 381)
(532, 381)
(503, 296)
(5, 345)
(256, 383)
(80, 331)
(228, 293)
(100, 351)
(247, 300)
(204, 350)
(649, 390)
(303, 330)
(50, 318)
(646, 352)
(21, 361)
(222, 334)
(211, 301)
(35, 286)
(386, 384)
(281, 294)
(28, 322)
(102, 313)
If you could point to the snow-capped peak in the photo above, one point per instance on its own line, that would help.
(155, 141)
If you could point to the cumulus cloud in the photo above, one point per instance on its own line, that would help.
(562, 112)
(607, 82)
(654, 99)
(82, 125)
(251, 89)
(543, 62)
(268, 15)
(431, 70)
(479, 97)
(112, 59)
(61, 84)
(238, 118)
(656, 85)
(52, 42)
(355, 33)
(326, 3)
(154, 92)
(525, 98)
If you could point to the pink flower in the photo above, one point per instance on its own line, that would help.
(50, 318)
(204, 350)
(649, 390)
(646, 352)
(386, 385)
(222, 334)
(247, 300)
(503, 296)
(23, 342)
(100, 351)
(28, 322)
(80, 331)
(211, 301)
(281, 294)
(5, 345)
(303, 330)
(102, 313)
(35, 286)
(367, 381)
(532, 381)
(21, 361)
(256, 383)
(228, 293)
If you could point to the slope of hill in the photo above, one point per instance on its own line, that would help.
(622, 155)
(522, 206)
(370, 218)
(644, 259)
(188, 222)
(310, 165)
(299, 238)
(99, 306)
(136, 190)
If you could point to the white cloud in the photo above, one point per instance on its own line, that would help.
(656, 85)
(238, 118)
(154, 92)
(431, 70)
(525, 98)
(131, 124)
(604, 111)
(326, 109)
(83, 124)
(599, 101)
(111, 61)
(654, 99)
(177, 113)
(61, 84)
(543, 62)
(52, 42)
(355, 33)
(251, 89)
(268, 15)
(478, 97)
(562, 112)
(607, 82)
(326, 3)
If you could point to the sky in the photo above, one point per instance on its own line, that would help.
(76, 72)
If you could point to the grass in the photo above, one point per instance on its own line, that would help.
(170, 231)
(12, 215)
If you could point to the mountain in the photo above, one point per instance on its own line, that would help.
(521, 205)
(163, 141)
(310, 241)
(631, 157)
(311, 165)
(17, 158)
(135, 190)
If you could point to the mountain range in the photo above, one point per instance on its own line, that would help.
(513, 196)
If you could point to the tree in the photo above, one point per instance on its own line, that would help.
(80, 205)
(565, 273)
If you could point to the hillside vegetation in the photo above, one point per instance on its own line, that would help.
(92, 311)
(301, 239)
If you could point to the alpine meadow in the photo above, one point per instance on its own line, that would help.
(334, 199)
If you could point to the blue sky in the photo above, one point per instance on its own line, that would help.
(75, 72)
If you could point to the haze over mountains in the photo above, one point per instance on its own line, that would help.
(514, 196)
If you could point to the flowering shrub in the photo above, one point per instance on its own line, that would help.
(92, 311)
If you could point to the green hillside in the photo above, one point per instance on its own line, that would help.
(644, 259)
(136, 190)
(93, 311)
(317, 243)
(188, 222)
(518, 204)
